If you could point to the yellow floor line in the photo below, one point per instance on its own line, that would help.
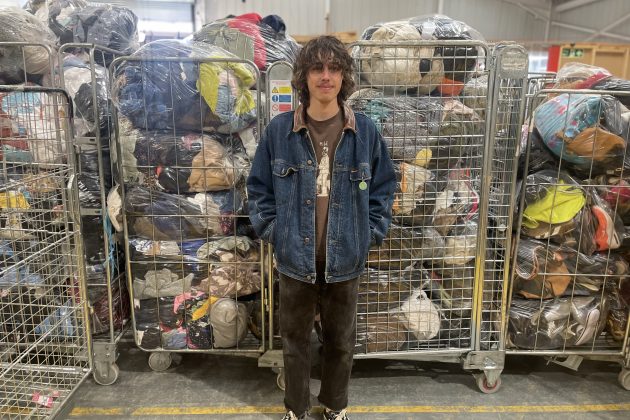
(91, 411)
(392, 409)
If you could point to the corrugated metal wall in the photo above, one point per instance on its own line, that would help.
(166, 11)
(356, 15)
(307, 17)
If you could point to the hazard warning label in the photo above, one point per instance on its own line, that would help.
(281, 97)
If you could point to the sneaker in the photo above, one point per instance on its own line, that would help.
(290, 415)
(335, 415)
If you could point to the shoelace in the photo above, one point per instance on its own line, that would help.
(340, 415)
(290, 416)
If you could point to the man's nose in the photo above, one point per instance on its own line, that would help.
(325, 73)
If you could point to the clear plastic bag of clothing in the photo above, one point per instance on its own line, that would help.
(614, 83)
(89, 117)
(161, 95)
(588, 132)
(615, 191)
(556, 323)
(540, 157)
(232, 281)
(36, 142)
(114, 27)
(382, 291)
(460, 246)
(150, 313)
(88, 164)
(618, 294)
(161, 283)
(196, 164)
(89, 187)
(475, 95)
(252, 37)
(456, 204)
(405, 122)
(141, 265)
(609, 229)
(161, 217)
(99, 300)
(56, 14)
(380, 332)
(29, 63)
(420, 316)
(425, 70)
(580, 76)
(556, 206)
(415, 196)
(399, 249)
(545, 271)
(423, 131)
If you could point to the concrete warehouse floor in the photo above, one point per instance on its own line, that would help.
(219, 387)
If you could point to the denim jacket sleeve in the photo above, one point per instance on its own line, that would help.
(382, 190)
(260, 191)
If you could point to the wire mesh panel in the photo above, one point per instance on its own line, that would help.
(186, 132)
(44, 347)
(535, 83)
(570, 289)
(418, 293)
(435, 287)
(27, 62)
(279, 98)
(505, 128)
(86, 79)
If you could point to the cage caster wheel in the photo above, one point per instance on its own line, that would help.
(624, 379)
(482, 384)
(159, 362)
(280, 381)
(105, 373)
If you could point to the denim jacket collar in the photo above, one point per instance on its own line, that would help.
(299, 122)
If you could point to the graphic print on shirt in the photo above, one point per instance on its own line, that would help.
(323, 174)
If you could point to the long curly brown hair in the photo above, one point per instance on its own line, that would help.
(325, 49)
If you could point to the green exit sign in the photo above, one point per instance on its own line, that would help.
(573, 52)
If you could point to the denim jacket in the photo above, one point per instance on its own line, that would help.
(282, 196)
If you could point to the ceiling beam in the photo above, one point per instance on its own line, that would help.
(573, 4)
(608, 27)
(590, 31)
(528, 9)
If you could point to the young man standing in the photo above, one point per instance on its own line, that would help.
(320, 190)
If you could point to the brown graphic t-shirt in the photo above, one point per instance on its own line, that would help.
(325, 136)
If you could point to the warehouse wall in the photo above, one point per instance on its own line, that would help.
(594, 16)
(303, 17)
(519, 26)
(307, 17)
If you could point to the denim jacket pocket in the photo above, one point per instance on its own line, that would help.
(360, 177)
(283, 169)
(362, 173)
(285, 184)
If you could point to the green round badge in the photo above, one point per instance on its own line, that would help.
(363, 185)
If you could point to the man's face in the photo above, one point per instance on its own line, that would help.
(324, 82)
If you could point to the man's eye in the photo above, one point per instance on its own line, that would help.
(334, 68)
